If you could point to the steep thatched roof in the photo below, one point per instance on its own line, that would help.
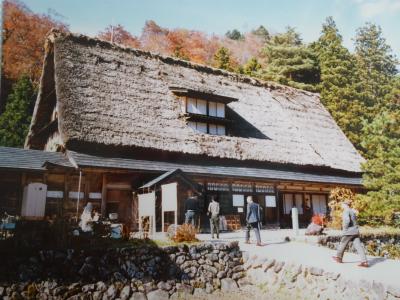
(110, 95)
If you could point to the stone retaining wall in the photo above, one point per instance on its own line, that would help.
(145, 272)
(289, 281)
(387, 246)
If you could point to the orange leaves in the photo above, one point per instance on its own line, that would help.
(23, 40)
(117, 34)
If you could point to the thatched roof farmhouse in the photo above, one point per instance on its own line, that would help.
(123, 117)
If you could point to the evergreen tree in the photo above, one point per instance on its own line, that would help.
(376, 68)
(223, 60)
(234, 35)
(252, 67)
(262, 32)
(14, 122)
(382, 170)
(290, 62)
(337, 87)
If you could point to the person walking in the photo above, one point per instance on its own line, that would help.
(350, 233)
(213, 213)
(191, 208)
(253, 220)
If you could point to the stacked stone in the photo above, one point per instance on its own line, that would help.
(376, 245)
(129, 273)
(291, 281)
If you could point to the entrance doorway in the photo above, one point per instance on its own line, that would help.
(120, 202)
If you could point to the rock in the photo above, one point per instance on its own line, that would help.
(157, 295)
(238, 275)
(184, 288)
(278, 267)
(228, 285)
(238, 269)
(333, 276)
(88, 288)
(58, 290)
(111, 292)
(97, 295)
(125, 292)
(199, 292)
(316, 271)
(180, 260)
(209, 288)
(162, 285)
(242, 282)
(394, 291)
(101, 286)
(221, 274)
(268, 264)
(139, 296)
(258, 263)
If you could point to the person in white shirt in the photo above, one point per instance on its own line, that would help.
(86, 223)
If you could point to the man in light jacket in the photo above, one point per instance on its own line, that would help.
(213, 213)
(350, 233)
(253, 220)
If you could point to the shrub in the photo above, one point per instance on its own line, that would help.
(185, 233)
(336, 197)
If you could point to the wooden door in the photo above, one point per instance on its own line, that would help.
(120, 202)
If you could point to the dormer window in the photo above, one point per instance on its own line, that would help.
(205, 112)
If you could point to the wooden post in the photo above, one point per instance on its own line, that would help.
(278, 205)
(104, 196)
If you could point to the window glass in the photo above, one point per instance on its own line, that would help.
(192, 125)
(287, 203)
(221, 130)
(299, 203)
(212, 129)
(319, 204)
(191, 105)
(202, 127)
(202, 107)
(212, 109)
(221, 110)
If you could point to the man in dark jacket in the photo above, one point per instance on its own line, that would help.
(350, 233)
(191, 209)
(253, 220)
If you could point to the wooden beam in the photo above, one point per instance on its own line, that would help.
(104, 195)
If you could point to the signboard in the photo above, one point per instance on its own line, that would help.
(270, 201)
(95, 196)
(74, 195)
(240, 209)
(238, 200)
(55, 194)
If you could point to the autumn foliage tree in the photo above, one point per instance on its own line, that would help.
(118, 34)
(24, 33)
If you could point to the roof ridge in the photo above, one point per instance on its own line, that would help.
(56, 33)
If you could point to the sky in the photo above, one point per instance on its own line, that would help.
(218, 16)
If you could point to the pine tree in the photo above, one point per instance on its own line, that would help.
(382, 170)
(262, 32)
(234, 35)
(290, 62)
(376, 67)
(337, 85)
(14, 122)
(223, 60)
